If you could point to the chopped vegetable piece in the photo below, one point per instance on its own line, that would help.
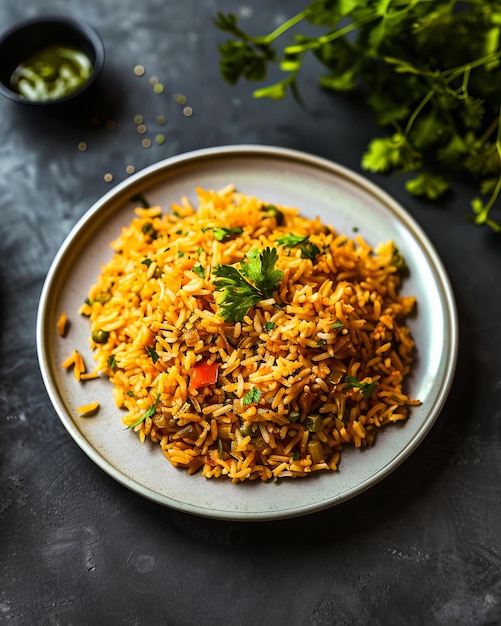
(112, 363)
(246, 429)
(397, 259)
(316, 451)
(100, 336)
(204, 374)
(313, 423)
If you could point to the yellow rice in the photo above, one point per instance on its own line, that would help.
(335, 317)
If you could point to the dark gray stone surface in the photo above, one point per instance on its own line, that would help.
(422, 547)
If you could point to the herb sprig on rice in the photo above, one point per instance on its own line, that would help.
(249, 341)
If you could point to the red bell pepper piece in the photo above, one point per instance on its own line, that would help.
(204, 374)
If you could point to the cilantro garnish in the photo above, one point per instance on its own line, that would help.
(291, 240)
(112, 363)
(272, 211)
(224, 233)
(153, 354)
(198, 269)
(337, 324)
(309, 251)
(241, 289)
(252, 396)
(365, 388)
(146, 262)
(149, 413)
(429, 71)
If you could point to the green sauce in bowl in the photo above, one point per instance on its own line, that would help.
(51, 73)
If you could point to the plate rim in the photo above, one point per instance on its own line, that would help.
(154, 170)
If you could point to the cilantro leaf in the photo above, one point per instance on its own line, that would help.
(148, 413)
(224, 233)
(153, 354)
(428, 71)
(240, 290)
(252, 396)
(291, 240)
(260, 269)
(198, 269)
(366, 388)
(309, 251)
(426, 184)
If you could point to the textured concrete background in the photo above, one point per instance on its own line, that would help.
(422, 547)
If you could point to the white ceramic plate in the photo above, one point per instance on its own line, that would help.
(276, 175)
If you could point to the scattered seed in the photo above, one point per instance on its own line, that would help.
(139, 70)
(130, 169)
(153, 80)
(158, 88)
(94, 120)
(141, 129)
(111, 124)
(82, 146)
(108, 177)
(187, 111)
(161, 119)
(160, 139)
(138, 119)
(180, 98)
(146, 143)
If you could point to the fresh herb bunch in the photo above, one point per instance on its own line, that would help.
(430, 71)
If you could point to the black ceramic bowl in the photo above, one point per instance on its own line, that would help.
(28, 37)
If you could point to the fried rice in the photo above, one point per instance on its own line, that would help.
(282, 388)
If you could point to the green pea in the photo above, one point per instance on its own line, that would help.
(100, 336)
